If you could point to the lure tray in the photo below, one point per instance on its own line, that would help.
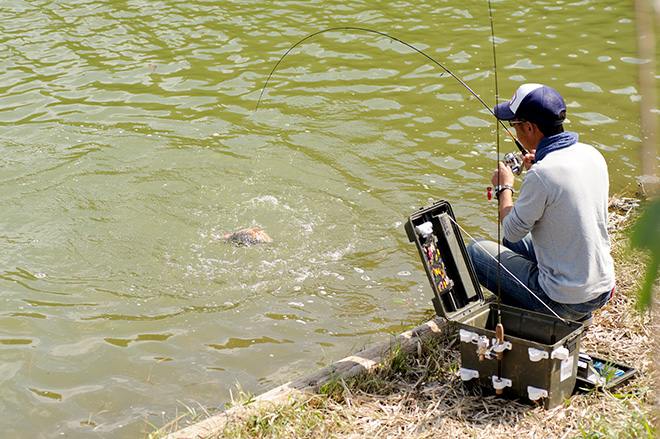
(537, 357)
(594, 372)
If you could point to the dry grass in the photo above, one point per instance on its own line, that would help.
(422, 396)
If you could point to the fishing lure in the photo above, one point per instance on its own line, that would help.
(437, 265)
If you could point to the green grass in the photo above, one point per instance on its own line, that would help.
(630, 419)
(311, 418)
(181, 419)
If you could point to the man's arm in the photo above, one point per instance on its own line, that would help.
(506, 203)
(503, 176)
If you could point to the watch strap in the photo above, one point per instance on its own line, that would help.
(500, 188)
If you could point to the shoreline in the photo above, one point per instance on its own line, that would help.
(349, 367)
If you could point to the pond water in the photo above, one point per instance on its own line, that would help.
(131, 144)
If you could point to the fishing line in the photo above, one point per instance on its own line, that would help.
(383, 34)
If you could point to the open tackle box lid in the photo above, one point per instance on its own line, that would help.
(436, 234)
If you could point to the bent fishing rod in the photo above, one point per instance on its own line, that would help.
(393, 38)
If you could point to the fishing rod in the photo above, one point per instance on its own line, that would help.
(362, 29)
(499, 328)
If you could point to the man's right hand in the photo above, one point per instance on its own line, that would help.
(528, 159)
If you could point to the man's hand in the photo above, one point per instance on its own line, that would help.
(528, 159)
(502, 175)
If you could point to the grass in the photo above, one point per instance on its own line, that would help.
(630, 420)
(183, 418)
(420, 395)
(311, 418)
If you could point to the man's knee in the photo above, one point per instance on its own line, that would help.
(473, 245)
(473, 249)
(480, 247)
(479, 254)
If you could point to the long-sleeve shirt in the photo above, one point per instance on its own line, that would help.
(563, 204)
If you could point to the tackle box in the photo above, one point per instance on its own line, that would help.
(507, 350)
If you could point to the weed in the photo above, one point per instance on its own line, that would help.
(626, 417)
(310, 418)
(188, 417)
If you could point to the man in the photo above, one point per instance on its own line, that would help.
(556, 248)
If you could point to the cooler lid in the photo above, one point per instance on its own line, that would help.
(438, 239)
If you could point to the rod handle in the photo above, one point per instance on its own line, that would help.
(499, 335)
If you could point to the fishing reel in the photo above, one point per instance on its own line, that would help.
(513, 162)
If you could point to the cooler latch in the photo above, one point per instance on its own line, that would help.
(468, 374)
(536, 355)
(500, 383)
(534, 393)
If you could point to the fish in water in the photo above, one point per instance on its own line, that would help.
(247, 236)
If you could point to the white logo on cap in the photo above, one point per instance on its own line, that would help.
(521, 94)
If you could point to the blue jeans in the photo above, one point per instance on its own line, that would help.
(519, 259)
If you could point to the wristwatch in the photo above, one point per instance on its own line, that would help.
(499, 189)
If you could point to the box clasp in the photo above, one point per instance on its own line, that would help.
(534, 393)
(561, 353)
(468, 374)
(536, 355)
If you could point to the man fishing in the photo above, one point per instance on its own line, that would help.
(556, 249)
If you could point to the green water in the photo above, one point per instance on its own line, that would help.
(130, 145)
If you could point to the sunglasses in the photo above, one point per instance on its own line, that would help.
(516, 122)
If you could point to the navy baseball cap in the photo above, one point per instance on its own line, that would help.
(536, 103)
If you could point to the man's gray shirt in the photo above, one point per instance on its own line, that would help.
(563, 204)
